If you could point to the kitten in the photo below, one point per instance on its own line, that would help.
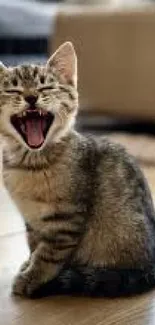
(87, 207)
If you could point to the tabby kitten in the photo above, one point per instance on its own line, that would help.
(87, 207)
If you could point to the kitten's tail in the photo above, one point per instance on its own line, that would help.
(108, 282)
(101, 282)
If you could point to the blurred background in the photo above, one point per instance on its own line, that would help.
(115, 43)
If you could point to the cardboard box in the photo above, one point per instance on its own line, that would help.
(116, 53)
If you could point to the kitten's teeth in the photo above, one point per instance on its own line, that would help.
(24, 113)
(40, 112)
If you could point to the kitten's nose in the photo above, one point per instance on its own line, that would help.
(31, 99)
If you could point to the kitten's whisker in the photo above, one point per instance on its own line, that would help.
(65, 112)
(61, 118)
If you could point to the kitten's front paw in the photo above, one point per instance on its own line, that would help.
(24, 284)
(20, 284)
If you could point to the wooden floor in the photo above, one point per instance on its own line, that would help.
(139, 310)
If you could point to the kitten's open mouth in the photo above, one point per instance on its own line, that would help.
(33, 126)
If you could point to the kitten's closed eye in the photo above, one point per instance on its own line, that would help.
(50, 87)
(14, 91)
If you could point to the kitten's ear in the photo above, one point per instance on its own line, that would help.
(64, 63)
(2, 67)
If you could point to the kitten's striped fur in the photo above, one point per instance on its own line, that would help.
(87, 207)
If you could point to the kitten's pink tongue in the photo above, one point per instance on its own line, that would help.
(34, 132)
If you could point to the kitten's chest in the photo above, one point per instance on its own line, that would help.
(35, 193)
